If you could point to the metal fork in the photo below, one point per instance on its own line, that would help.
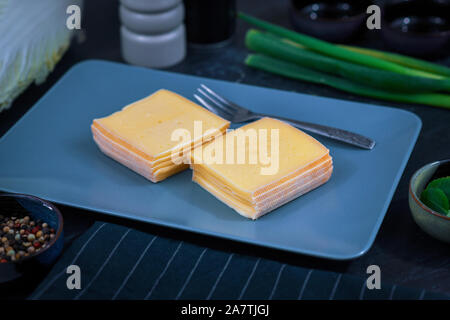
(235, 113)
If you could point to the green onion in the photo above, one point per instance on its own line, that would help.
(285, 50)
(294, 71)
(334, 50)
(404, 60)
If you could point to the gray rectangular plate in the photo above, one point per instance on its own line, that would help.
(50, 153)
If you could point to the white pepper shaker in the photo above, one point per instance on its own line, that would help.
(152, 32)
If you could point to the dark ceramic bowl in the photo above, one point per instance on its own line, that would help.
(330, 20)
(417, 27)
(36, 208)
(435, 224)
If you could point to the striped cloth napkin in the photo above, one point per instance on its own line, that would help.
(121, 263)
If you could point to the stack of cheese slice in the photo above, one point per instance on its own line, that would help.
(289, 164)
(145, 135)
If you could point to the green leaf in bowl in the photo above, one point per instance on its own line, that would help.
(443, 184)
(435, 199)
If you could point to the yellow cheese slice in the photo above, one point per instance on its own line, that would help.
(303, 164)
(296, 151)
(146, 126)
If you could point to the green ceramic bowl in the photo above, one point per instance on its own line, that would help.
(432, 222)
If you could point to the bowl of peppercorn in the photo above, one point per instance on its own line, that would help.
(31, 235)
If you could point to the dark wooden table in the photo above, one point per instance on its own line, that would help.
(405, 254)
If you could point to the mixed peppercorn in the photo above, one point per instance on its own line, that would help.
(21, 237)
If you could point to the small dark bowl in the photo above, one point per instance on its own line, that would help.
(417, 27)
(330, 20)
(40, 209)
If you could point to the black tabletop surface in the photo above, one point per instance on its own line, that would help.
(405, 254)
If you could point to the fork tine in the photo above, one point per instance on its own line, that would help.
(217, 103)
(212, 109)
(220, 98)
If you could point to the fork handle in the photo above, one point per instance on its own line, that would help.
(332, 133)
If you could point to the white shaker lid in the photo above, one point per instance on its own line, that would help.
(150, 5)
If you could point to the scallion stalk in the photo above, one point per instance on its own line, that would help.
(285, 50)
(334, 50)
(295, 71)
(404, 60)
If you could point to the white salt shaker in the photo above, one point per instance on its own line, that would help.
(152, 32)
